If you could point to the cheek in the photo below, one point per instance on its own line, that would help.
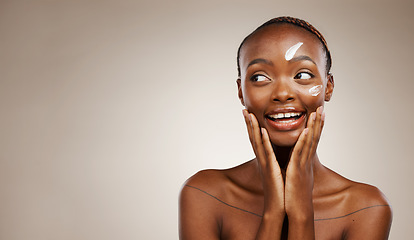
(256, 102)
(315, 90)
(312, 96)
(255, 99)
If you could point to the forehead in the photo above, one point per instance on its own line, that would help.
(274, 40)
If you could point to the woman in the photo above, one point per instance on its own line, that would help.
(285, 192)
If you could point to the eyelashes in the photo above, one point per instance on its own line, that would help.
(304, 75)
(264, 78)
(259, 78)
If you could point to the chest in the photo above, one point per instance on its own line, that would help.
(240, 225)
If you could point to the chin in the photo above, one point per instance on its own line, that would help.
(284, 139)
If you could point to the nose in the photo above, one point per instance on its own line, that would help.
(283, 91)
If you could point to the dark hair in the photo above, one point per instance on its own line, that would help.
(294, 21)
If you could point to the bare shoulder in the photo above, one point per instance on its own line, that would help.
(368, 211)
(361, 194)
(217, 182)
(352, 195)
(203, 200)
(199, 217)
(206, 179)
(211, 182)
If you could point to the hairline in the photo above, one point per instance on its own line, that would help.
(324, 48)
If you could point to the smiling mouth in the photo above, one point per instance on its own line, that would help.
(285, 117)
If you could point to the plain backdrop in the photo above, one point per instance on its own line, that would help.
(107, 107)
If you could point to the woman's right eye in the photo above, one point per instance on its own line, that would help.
(259, 78)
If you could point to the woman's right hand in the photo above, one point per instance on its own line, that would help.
(272, 178)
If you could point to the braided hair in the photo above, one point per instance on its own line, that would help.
(294, 21)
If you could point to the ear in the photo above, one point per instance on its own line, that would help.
(329, 87)
(239, 89)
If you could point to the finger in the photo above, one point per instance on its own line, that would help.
(254, 139)
(308, 140)
(323, 121)
(297, 150)
(248, 124)
(257, 140)
(274, 166)
(317, 125)
(270, 155)
(317, 129)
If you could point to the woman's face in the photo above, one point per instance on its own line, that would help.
(283, 80)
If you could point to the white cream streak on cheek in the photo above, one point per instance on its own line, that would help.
(292, 50)
(315, 90)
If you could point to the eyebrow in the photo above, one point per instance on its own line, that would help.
(302, 58)
(260, 60)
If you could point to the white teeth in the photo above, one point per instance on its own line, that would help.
(287, 121)
(294, 114)
(285, 115)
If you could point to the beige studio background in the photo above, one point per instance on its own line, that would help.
(107, 107)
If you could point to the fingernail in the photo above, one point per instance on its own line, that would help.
(313, 116)
(323, 116)
(320, 109)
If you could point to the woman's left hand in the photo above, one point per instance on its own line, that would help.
(299, 173)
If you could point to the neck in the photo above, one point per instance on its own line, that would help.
(283, 155)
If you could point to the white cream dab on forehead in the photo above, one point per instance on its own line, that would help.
(292, 50)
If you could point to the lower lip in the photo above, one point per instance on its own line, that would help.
(286, 125)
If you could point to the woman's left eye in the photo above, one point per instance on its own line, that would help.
(259, 78)
(303, 75)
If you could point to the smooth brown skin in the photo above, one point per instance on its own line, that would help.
(285, 192)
